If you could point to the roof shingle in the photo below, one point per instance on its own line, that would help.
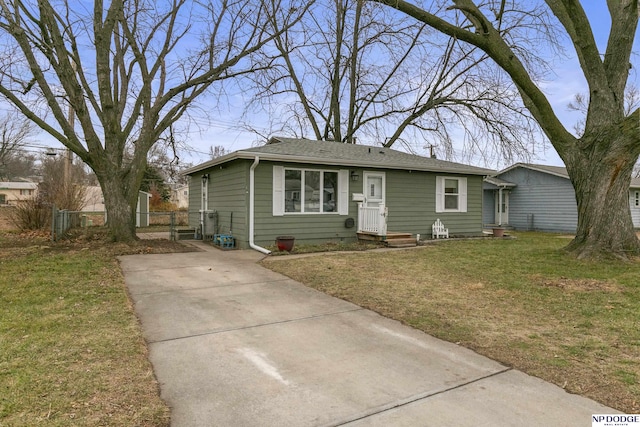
(340, 154)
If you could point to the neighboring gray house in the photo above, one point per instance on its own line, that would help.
(537, 197)
(319, 191)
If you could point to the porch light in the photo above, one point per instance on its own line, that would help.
(205, 178)
(354, 176)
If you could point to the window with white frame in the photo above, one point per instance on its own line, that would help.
(637, 198)
(310, 191)
(451, 194)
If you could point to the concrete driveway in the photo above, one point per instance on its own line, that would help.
(234, 344)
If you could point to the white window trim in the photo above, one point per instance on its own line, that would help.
(637, 198)
(462, 194)
(342, 196)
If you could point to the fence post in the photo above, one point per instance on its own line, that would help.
(172, 225)
(53, 223)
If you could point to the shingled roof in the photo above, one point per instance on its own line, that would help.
(294, 150)
(555, 170)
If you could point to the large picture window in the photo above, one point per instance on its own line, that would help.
(451, 194)
(310, 191)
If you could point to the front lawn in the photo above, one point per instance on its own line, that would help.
(522, 302)
(71, 349)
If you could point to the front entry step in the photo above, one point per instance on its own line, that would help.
(401, 243)
(392, 239)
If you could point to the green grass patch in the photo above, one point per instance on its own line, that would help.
(523, 302)
(72, 352)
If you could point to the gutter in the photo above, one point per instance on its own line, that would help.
(252, 207)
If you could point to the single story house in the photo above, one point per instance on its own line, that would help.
(12, 192)
(529, 196)
(320, 191)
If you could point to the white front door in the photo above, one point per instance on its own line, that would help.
(374, 189)
(502, 208)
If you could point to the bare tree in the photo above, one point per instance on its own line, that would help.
(125, 71)
(61, 184)
(15, 130)
(217, 151)
(353, 69)
(600, 160)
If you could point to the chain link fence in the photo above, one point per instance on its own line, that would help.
(158, 222)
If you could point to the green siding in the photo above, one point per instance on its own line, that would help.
(310, 228)
(228, 197)
(411, 203)
(410, 198)
(461, 223)
(195, 191)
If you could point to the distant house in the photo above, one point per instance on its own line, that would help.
(528, 196)
(180, 196)
(12, 192)
(319, 191)
(93, 199)
(94, 202)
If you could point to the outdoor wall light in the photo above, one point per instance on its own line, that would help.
(354, 176)
(205, 178)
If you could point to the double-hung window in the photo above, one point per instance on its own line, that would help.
(637, 198)
(451, 194)
(310, 191)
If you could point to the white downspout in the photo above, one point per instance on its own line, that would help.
(204, 202)
(252, 207)
(500, 206)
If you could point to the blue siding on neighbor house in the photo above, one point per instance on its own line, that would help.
(635, 210)
(549, 198)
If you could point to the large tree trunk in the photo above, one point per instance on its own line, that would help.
(601, 181)
(120, 207)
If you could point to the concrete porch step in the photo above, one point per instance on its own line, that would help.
(393, 239)
(401, 243)
(185, 233)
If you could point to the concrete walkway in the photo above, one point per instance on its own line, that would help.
(234, 344)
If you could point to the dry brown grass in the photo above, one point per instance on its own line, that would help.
(72, 350)
(522, 302)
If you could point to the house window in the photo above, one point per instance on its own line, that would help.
(451, 194)
(3, 199)
(26, 192)
(637, 198)
(310, 191)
